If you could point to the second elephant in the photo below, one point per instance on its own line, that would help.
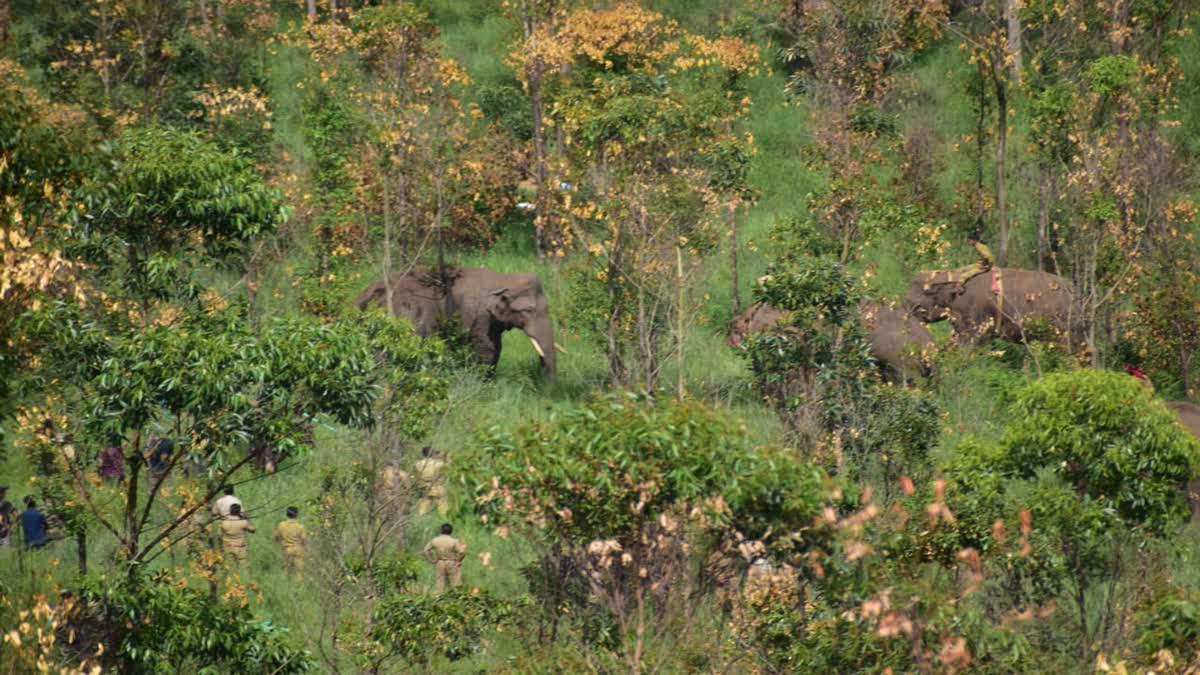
(1189, 417)
(485, 304)
(1026, 298)
(896, 340)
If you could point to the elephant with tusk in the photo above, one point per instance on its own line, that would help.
(485, 303)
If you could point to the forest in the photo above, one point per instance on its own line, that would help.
(599, 336)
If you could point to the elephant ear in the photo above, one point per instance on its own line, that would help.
(500, 299)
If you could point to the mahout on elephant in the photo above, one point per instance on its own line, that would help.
(484, 303)
(896, 340)
(1003, 302)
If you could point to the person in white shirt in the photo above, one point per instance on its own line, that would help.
(220, 508)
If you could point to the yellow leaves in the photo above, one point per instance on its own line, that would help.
(451, 72)
(235, 102)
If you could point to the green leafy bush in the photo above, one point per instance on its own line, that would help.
(158, 626)
(1105, 436)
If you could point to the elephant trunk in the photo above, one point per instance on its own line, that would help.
(541, 333)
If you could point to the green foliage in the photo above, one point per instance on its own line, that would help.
(1171, 623)
(607, 469)
(1110, 75)
(166, 203)
(162, 626)
(814, 366)
(1104, 435)
(894, 428)
(453, 624)
(223, 387)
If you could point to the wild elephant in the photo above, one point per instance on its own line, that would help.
(485, 303)
(896, 340)
(1189, 417)
(1025, 296)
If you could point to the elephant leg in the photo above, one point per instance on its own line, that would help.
(487, 341)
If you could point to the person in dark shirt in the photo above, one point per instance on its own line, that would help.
(33, 525)
(161, 450)
(8, 517)
(112, 463)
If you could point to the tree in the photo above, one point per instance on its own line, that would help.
(539, 21)
(166, 204)
(1091, 467)
(618, 485)
(177, 628)
(225, 393)
(39, 166)
(646, 133)
(1107, 438)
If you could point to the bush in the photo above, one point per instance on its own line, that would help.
(159, 626)
(1104, 435)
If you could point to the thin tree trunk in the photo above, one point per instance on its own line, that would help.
(980, 121)
(5, 21)
(131, 502)
(541, 199)
(680, 311)
(1001, 181)
(387, 244)
(81, 550)
(534, 71)
(734, 285)
(311, 6)
(616, 366)
(1043, 242)
(1012, 16)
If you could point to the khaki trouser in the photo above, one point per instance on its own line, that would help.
(293, 559)
(434, 498)
(236, 553)
(447, 572)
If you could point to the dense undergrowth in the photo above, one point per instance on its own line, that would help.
(1032, 545)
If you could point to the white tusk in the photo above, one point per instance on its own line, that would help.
(560, 348)
(537, 348)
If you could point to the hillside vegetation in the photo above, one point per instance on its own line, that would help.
(740, 451)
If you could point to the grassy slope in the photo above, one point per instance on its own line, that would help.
(972, 392)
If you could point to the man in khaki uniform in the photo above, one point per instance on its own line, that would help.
(292, 538)
(233, 533)
(447, 554)
(431, 477)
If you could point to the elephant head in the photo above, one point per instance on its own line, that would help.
(522, 304)
(375, 293)
(931, 295)
(759, 318)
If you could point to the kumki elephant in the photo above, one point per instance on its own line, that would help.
(1189, 417)
(1004, 302)
(896, 340)
(485, 303)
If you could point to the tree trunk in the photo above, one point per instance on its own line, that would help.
(1012, 16)
(680, 312)
(541, 198)
(734, 285)
(81, 550)
(1043, 241)
(980, 128)
(5, 21)
(131, 502)
(616, 365)
(1001, 181)
(311, 6)
(387, 244)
